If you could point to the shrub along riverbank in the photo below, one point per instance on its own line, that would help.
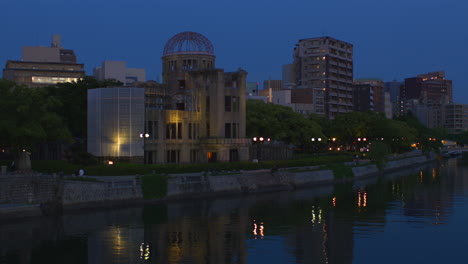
(122, 168)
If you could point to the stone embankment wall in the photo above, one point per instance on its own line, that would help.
(78, 192)
(28, 189)
(186, 185)
(49, 194)
(45, 191)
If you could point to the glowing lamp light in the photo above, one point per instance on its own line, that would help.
(261, 139)
(110, 162)
(319, 139)
(313, 139)
(254, 138)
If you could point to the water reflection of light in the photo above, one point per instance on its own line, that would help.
(362, 199)
(119, 243)
(421, 176)
(258, 230)
(434, 173)
(316, 215)
(144, 251)
(334, 201)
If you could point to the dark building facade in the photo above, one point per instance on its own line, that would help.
(431, 87)
(369, 95)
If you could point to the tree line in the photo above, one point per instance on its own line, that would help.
(350, 130)
(59, 113)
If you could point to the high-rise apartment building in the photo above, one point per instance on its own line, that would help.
(455, 118)
(430, 87)
(326, 64)
(43, 66)
(369, 95)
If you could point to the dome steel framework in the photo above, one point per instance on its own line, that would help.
(188, 43)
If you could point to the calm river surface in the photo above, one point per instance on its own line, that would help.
(417, 216)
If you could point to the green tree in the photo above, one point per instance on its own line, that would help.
(281, 123)
(29, 116)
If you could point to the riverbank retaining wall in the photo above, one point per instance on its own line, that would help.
(187, 185)
(54, 192)
(79, 192)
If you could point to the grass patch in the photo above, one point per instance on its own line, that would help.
(54, 166)
(340, 171)
(154, 186)
(126, 168)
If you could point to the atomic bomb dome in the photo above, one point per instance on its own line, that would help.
(188, 43)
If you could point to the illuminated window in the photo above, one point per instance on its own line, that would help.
(52, 80)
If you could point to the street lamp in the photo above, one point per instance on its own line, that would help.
(144, 136)
(314, 146)
(257, 141)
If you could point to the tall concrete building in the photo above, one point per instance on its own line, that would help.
(393, 88)
(455, 118)
(326, 64)
(43, 66)
(369, 94)
(275, 85)
(203, 118)
(431, 87)
(118, 70)
(288, 76)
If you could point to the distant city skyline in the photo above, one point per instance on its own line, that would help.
(393, 40)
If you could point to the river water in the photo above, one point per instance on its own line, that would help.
(414, 216)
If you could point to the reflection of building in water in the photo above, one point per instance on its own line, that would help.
(324, 240)
(206, 239)
(429, 204)
(119, 244)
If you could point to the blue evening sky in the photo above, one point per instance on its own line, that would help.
(393, 39)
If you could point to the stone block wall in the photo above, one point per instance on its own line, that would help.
(76, 192)
(28, 189)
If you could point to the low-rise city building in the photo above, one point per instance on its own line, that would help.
(118, 70)
(44, 66)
